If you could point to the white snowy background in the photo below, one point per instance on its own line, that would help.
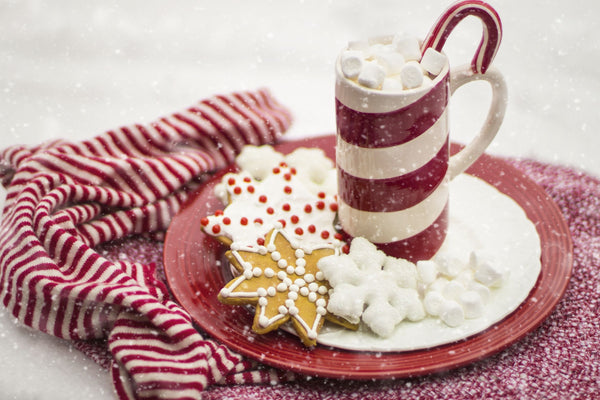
(71, 69)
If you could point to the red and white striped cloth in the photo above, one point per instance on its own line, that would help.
(64, 199)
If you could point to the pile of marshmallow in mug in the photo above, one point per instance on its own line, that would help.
(392, 67)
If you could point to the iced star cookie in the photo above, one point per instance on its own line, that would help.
(282, 281)
(284, 194)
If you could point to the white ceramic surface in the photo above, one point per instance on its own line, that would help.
(73, 69)
(481, 219)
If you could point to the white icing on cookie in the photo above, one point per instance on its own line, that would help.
(255, 207)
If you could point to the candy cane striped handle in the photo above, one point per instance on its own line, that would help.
(492, 31)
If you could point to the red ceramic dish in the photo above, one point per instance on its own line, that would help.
(195, 274)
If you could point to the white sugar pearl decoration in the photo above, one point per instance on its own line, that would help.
(323, 290)
(263, 302)
(282, 287)
(290, 269)
(304, 291)
(247, 265)
(293, 295)
(319, 275)
(263, 321)
(248, 274)
(257, 272)
(300, 271)
(313, 287)
(299, 253)
(225, 292)
(287, 281)
(309, 278)
(294, 310)
(282, 310)
(276, 256)
(271, 291)
(294, 288)
(321, 310)
(301, 262)
(262, 250)
(261, 292)
(282, 263)
(269, 273)
(271, 248)
(299, 282)
(312, 297)
(289, 303)
(281, 275)
(321, 303)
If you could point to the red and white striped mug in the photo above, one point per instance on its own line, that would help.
(392, 148)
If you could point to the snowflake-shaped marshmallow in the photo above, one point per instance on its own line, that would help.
(372, 287)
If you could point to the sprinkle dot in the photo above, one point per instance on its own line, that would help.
(261, 292)
(263, 321)
(262, 301)
(282, 310)
(290, 269)
(269, 273)
(282, 263)
(271, 291)
(282, 287)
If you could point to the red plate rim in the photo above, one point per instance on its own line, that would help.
(194, 273)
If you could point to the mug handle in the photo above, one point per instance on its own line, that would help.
(470, 153)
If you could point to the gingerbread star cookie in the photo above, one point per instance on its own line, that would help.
(282, 280)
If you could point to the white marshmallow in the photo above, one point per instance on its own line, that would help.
(351, 62)
(452, 313)
(453, 290)
(407, 46)
(392, 84)
(471, 303)
(339, 270)
(381, 318)
(403, 272)
(366, 255)
(433, 61)
(392, 62)
(347, 301)
(371, 75)
(484, 291)
(433, 303)
(439, 284)
(407, 301)
(360, 45)
(450, 265)
(412, 75)
(427, 271)
(487, 270)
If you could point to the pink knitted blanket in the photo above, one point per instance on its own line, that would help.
(81, 258)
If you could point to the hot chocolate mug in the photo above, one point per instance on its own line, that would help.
(392, 149)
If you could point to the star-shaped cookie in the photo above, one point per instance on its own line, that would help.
(282, 280)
